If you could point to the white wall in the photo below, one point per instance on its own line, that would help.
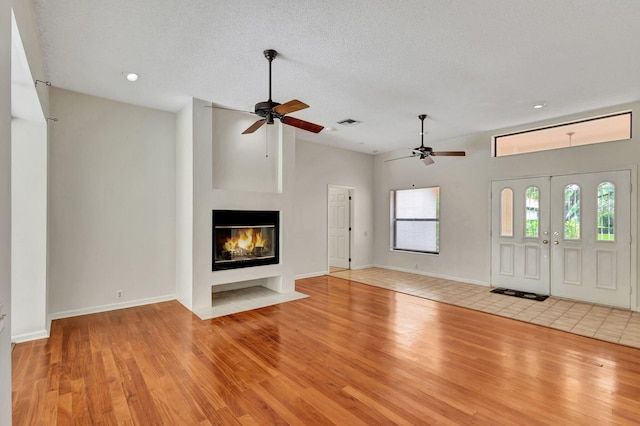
(29, 230)
(184, 206)
(318, 166)
(112, 189)
(5, 210)
(465, 189)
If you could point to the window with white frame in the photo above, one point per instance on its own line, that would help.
(415, 217)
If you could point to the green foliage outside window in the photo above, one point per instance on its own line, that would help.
(532, 228)
(572, 229)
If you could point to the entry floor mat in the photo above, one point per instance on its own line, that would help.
(521, 294)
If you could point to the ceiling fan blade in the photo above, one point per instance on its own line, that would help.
(255, 126)
(289, 107)
(399, 158)
(449, 153)
(301, 124)
(428, 160)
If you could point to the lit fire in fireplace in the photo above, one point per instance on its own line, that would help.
(246, 242)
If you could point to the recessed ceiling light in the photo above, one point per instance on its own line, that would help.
(132, 76)
(539, 105)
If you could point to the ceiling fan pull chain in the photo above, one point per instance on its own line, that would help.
(266, 143)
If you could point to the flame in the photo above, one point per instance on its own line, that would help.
(260, 242)
(245, 240)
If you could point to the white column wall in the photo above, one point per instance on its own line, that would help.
(29, 230)
(5, 211)
(184, 206)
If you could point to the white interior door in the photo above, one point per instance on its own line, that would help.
(339, 227)
(520, 234)
(591, 240)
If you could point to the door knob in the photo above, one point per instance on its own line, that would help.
(556, 242)
(545, 241)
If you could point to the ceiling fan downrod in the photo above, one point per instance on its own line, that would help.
(270, 54)
(422, 117)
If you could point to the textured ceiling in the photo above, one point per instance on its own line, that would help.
(470, 65)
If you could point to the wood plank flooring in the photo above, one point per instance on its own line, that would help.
(349, 354)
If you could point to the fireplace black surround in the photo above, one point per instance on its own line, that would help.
(245, 238)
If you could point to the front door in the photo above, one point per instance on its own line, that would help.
(567, 236)
(520, 234)
(591, 237)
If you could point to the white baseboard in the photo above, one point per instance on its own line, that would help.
(27, 337)
(111, 307)
(311, 275)
(429, 274)
(355, 268)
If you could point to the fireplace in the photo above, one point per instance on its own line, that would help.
(245, 238)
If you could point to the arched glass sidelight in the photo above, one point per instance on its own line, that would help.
(572, 212)
(506, 212)
(606, 211)
(532, 212)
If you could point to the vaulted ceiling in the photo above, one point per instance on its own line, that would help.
(472, 66)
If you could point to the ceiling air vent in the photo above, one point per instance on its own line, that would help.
(348, 122)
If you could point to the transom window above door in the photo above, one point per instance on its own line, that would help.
(608, 128)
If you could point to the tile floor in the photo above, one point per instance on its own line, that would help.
(600, 322)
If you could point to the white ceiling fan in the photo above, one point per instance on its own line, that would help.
(425, 153)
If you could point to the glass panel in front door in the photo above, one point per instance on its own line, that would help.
(606, 211)
(572, 212)
(532, 212)
(506, 212)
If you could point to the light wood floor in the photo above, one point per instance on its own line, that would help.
(350, 354)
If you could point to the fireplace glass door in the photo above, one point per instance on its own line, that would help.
(244, 238)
